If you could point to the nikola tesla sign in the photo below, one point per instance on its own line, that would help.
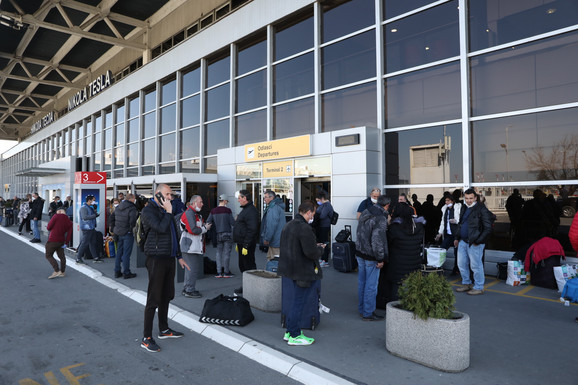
(98, 85)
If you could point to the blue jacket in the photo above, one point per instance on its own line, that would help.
(325, 212)
(87, 218)
(273, 223)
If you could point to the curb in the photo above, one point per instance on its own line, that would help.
(273, 359)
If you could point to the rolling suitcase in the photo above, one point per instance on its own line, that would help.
(311, 316)
(344, 254)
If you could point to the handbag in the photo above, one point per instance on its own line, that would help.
(225, 310)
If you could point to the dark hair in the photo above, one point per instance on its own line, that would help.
(383, 200)
(306, 206)
(449, 196)
(246, 194)
(322, 195)
(405, 213)
(270, 193)
(88, 198)
(470, 191)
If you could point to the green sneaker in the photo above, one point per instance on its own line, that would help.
(286, 336)
(300, 340)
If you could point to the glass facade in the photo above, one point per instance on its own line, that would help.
(479, 96)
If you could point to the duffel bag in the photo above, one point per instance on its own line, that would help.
(225, 310)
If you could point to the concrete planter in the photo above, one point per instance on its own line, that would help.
(262, 289)
(442, 344)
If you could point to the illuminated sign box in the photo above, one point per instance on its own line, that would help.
(278, 149)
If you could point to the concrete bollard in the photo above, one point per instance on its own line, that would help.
(262, 289)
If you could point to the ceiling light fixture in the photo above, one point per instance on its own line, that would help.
(394, 30)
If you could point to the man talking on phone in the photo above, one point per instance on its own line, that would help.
(161, 248)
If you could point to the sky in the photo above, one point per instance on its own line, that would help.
(6, 145)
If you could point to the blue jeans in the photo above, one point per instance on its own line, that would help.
(123, 252)
(471, 256)
(367, 279)
(300, 295)
(224, 256)
(36, 228)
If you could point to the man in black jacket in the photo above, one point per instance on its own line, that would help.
(474, 227)
(246, 233)
(36, 216)
(161, 248)
(122, 221)
(299, 262)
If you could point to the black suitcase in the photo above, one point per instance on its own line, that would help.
(311, 316)
(344, 256)
(542, 274)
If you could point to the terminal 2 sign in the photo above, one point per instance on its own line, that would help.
(98, 85)
(278, 149)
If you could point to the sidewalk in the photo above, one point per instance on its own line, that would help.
(518, 334)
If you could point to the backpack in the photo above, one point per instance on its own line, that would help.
(344, 235)
(334, 217)
(140, 235)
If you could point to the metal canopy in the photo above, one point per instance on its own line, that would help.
(40, 171)
(48, 46)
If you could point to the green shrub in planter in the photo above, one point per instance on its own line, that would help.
(427, 296)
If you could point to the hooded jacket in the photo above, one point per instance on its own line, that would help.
(273, 222)
(123, 219)
(299, 259)
(371, 241)
(405, 249)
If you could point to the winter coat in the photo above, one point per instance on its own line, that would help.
(371, 241)
(161, 230)
(53, 207)
(273, 222)
(192, 230)
(325, 212)
(479, 224)
(405, 250)
(87, 218)
(24, 210)
(123, 218)
(573, 233)
(60, 228)
(246, 230)
(299, 259)
(453, 226)
(36, 208)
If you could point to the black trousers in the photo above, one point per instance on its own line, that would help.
(247, 262)
(161, 290)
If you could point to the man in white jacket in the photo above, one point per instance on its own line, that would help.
(192, 244)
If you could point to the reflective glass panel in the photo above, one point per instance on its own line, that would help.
(107, 160)
(218, 102)
(108, 118)
(293, 38)
(216, 136)
(108, 138)
(133, 108)
(313, 166)
(191, 166)
(293, 119)
(422, 38)
(167, 168)
(190, 111)
(495, 22)
(168, 147)
(132, 171)
(211, 165)
(132, 154)
(168, 92)
(148, 151)
(190, 140)
(120, 112)
(119, 134)
(251, 128)
(88, 144)
(531, 147)
(425, 155)
(527, 76)
(248, 170)
(119, 157)
(294, 77)
(133, 130)
(346, 17)
(191, 82)
(350, 107)
(393, 8)
(218, 71)
(349, 60)
(429, 95)
(97, 166)
(168, 118)
(252, 57)
(150, 100)
(148, 170)
(150, 125)
(252, 91)
(98, 141)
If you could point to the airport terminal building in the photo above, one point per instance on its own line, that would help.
(413, 96)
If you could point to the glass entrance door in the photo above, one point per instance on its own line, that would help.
(284, 188)
(254, 187)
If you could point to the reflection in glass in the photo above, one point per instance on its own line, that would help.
(132, 153)
(168, 118)
(393, 8)
(97, 162)
(190, 140)
(429, 95)
(97, 141)
(294, 77)
(531, 147)
(167, 145)
(251, 128)
(252, 57)
(108, 118)
(294, 119)
(120, 111)
(133, 108)
(216, 136)
(167, 168)
(132, 172)
(190, 166)
(425, 155)
(292, 39)
(148, 151)
(248, 170)
(191, 82)
(492, 23)
(119, 134)
(218, 71)
(150, 100)
(190, 111)
(313, 166)
(168, 92)
(349, 60)
(211, 165)
(150, 128)
(148, 170)
(108, 138)
(346, 17)
(526, 76)
(218, 102)
(107, 160)
(422, 38)
(133, 130)
(119, 157)
(252, 91)
(350, 107)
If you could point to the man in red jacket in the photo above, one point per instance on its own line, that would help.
(60, 228)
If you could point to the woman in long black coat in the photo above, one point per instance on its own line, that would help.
(405, 241)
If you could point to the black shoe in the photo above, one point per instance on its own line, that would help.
(192, 294)
(228, 275)
(238, 291)
(80, 262)
(129, 275)
(373, 317)
(170, 333)
(97, 260)
(150, 345)
(117, 274)
(19, 233)
(35, 240)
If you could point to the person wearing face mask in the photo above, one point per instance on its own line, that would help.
(474, 228)
(449, 225)
(122, 221)
(192, 244)
(369, 201)
(54, 206)
(324, 214)
(299, 263)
